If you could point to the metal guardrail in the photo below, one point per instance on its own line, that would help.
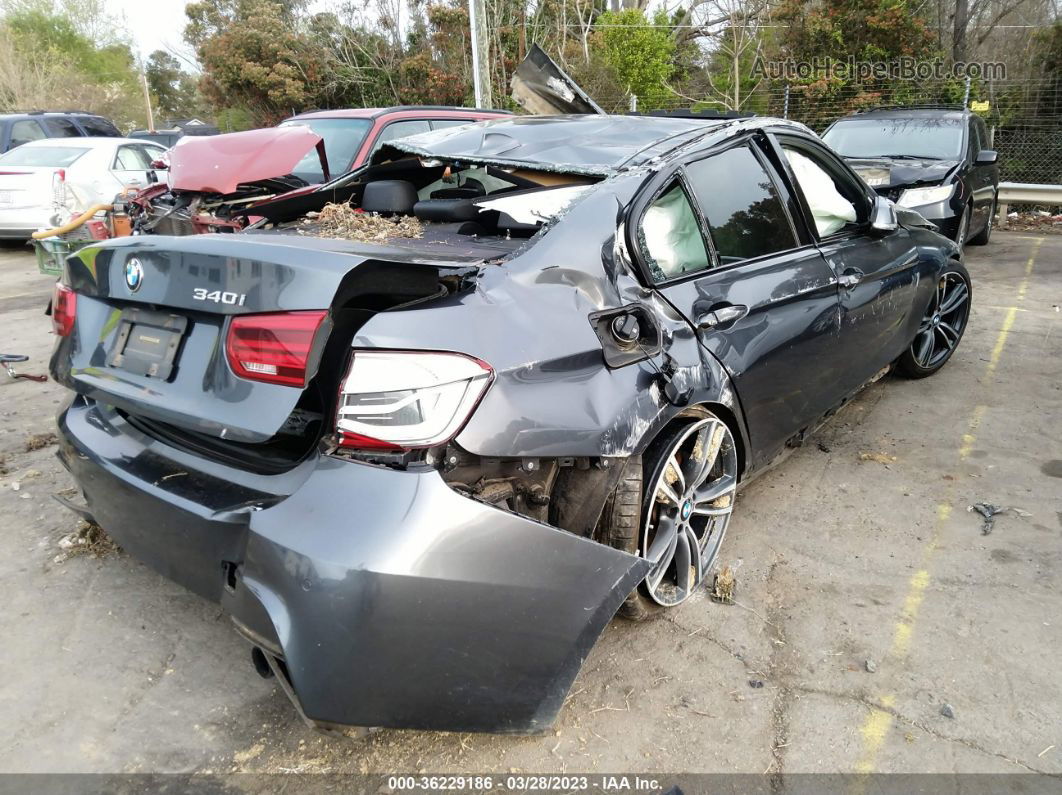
(1025, 193)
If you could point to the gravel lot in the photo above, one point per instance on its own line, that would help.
(867, 599)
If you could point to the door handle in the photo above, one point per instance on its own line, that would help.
(722, 317)
(850, 278)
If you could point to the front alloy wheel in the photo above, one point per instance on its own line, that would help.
(689, 498)
(941, 328)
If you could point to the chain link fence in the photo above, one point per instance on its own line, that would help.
(1024, 117)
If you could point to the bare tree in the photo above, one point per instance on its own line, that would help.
(734, 29)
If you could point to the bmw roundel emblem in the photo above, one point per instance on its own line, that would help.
(134, 274)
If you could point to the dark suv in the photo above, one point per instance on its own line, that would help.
(934, 160)
(19, 128)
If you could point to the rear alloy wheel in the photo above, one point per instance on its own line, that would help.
(691, 481)
(941, 328)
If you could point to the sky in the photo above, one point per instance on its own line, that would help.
(153, 24)
(159, 25)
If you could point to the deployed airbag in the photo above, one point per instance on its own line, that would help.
(829, 208)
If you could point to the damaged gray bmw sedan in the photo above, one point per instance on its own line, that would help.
(423, 432)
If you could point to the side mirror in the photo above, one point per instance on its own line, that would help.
(883, 216)
(986, 157)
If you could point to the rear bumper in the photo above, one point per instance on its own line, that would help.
(393, 600)
(20, 223)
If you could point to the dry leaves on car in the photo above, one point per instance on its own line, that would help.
(343, 221)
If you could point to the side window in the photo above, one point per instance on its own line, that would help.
(25, 131)
(62, 128)
(982, 131)
(97, 126)
(400, 129)
(442, 124)
(976, 145)
(833, 201)
(741, 204)
(671, 236)
(131, 158)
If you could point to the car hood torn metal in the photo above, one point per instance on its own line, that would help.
(220, 163)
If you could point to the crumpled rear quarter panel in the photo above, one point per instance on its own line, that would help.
(401, 603)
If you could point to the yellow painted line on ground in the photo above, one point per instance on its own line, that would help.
(878, 722)
(874, 731)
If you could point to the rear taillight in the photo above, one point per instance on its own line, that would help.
(406, 399)
(64, 310)
(59, 187)
(274, 348)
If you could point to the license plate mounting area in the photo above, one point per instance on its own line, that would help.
(147, 342)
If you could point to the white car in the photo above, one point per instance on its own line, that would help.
(46, 182)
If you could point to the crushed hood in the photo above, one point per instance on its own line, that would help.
(541, 87)
(220, 163)
(882, 173)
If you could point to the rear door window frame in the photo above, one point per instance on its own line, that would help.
(658, 184)
(16, 122)
(56, 123)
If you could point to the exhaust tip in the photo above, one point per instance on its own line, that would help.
(261, 664)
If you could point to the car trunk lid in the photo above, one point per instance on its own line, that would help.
(26, 186)
(153, 315)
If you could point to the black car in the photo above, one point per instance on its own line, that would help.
(422, 455)
(19, 128)
(937, 161)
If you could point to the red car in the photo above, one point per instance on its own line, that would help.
(212, 178)
(352, 135)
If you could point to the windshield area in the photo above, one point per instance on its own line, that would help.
(54, 156)
(933, 139)
(342, 139)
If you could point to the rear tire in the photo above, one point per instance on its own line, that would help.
(942, 326)
(700, 457)
(982, 237)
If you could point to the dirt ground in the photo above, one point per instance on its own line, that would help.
(869, 603)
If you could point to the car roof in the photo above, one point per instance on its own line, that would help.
(591, 144)
(373, 113)
(86, 141)
(910, 113)
(37, 114)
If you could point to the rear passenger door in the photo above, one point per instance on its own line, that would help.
(721, 242)
(880, 275)
(58, 127)
(132, 163)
